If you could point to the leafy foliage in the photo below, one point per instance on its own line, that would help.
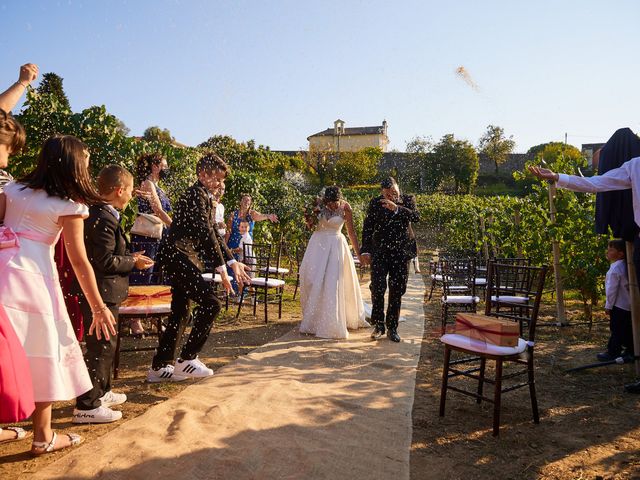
(246, 156)
(353, 168)
(495, 145)
(51, 84)
(157, 134)
(510, 226)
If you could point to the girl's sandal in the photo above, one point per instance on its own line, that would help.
(20, 434)
(40, 448)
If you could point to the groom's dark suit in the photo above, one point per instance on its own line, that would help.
(192, 234)
(385, 236)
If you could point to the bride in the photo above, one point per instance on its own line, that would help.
(329, 289)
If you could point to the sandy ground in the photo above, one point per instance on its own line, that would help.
(589, 428)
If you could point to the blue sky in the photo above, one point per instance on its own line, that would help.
(278, 71)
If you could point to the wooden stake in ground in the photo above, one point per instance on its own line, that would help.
(516, 221)
(485, 245)
(635, 303)
(562, 319)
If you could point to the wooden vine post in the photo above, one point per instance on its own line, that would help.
(562, 319)
(485, 245)
(492, 239)
(516, 221)
(635, 303)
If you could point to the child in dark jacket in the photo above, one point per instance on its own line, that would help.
(112, 262)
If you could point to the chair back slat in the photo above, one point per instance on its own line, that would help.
(457, 273)
(258, 256)
(526, 284)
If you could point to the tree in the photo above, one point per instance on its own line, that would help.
(424, 165)
(495, 145)
(51, 84)
(359, 167)
(458, 162)
(157, 134)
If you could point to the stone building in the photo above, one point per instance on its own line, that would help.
(349, 139)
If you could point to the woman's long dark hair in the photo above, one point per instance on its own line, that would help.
(145, 162)
(62, 171)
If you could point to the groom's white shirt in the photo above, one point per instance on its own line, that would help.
(622, 178)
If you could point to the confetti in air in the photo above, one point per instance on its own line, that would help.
(466, 77)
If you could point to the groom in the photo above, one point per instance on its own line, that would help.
(386, 245)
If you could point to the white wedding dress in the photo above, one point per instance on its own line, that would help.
(329, 289)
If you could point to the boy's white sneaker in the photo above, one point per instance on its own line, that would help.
(111, 398)
(192, 368)
(164, 374)
(97, 415)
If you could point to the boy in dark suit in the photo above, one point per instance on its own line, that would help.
(193, 233)
(388, 246)
(108, 252)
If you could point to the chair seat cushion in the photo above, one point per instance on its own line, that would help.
(460, 299)
(272, 282)
(458, 287)
(146, 309)
(475, 345)
(480, 281)
(210, 277)
(279, 270)
(509, 299)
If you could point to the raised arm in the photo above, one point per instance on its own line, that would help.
(149, 188)
(259, 217)
(616, 179)
(348, 218)
(10, 97)
(409, 209)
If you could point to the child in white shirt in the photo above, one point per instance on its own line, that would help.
(618, 304)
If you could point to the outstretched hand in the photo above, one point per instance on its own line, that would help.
(543, 173)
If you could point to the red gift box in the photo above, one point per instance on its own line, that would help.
(493, 330)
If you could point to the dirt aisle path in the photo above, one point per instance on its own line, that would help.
(299, 407)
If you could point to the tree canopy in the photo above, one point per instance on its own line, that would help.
(51, 84)
(495, 145)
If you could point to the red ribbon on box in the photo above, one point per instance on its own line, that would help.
(146, 299)
(471, 326)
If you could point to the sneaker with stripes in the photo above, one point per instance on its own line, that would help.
(164, 374)
(192, 368)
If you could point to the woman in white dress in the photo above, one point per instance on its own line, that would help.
(329, 289)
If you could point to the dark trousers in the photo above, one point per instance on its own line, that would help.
(186, 284)
(621, 331)
(98, 357)
(395, 266)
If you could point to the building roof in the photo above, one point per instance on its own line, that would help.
(330, 132)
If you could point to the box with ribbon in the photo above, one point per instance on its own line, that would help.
(493, 330)
(148, 296)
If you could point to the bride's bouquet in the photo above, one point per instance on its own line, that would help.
(311, 211)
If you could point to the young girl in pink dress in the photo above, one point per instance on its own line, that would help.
(16, 393)
(37, 208)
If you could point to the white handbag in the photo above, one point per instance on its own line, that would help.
(147, 225)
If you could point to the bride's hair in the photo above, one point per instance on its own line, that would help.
(332, 194)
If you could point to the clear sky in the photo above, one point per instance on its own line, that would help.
(279, 71)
